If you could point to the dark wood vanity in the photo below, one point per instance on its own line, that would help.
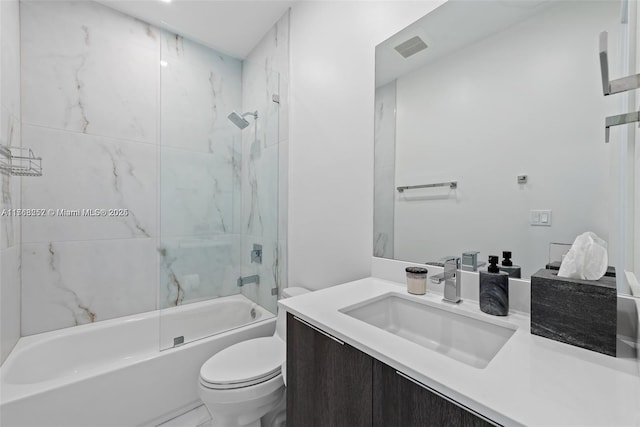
(330, 383)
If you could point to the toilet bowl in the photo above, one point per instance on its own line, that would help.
(244, 382)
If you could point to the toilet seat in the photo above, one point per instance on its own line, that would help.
(244, 364)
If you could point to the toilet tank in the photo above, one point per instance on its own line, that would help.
(281, 323)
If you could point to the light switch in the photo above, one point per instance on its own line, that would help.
(540, 217)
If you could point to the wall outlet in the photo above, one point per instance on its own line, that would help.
(540, 217)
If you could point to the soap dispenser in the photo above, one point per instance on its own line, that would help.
(508, 267)
(494, 289)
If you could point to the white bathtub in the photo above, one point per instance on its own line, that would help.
(112, 373)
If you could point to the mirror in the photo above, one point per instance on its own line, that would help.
(504, 101)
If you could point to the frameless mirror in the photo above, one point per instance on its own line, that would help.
(489, 131)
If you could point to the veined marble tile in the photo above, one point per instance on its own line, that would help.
(106, 25)
(283, 190)
(195, 269)
(260, 191)
(89, 172)
(270, 271)
(383, 212)
(199, 90)
(176, 46)
(385, 126)
(197, 193)
(384, 170)
(9, 300)
(258, 87)
(10, 136)
(270, 59)
(10, 56)
(72, 283)
(237, 188)
(85, 73)
(196, 101)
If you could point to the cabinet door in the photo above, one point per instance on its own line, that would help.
(329, 383)
(399, 402)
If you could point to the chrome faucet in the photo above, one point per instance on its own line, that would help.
(470, 261)
(451, 279)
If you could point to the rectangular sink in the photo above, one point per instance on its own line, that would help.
(461, 337)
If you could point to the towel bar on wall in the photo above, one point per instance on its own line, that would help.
(610, 87)
(451, 184)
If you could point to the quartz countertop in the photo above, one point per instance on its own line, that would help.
(531, 381)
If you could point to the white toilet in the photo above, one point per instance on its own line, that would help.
(244, 382)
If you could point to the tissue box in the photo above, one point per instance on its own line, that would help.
(577, 312)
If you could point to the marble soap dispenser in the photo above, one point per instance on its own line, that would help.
(494, 289)
(508, 266)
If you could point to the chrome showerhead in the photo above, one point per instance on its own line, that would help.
(239, 120)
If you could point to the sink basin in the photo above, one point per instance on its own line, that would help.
(462, 337)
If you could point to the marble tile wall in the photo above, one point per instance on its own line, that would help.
(128, 116)
(201, 172)
(265, 73)
(10, 185)
(384, 170)
(90, 110)
(264, 150)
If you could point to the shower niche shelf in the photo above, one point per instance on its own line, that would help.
(19, 161)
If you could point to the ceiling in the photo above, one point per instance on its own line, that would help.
(233, 27)
(450, 27)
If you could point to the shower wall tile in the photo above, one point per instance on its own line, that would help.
(270, 271)
(10, 185)
(90, 69)
(10, 136)
(9, 300)
(260, 190)
(199, 89)
(196, 269)
(10, 57)
(383, 219)
(90, 172)
(265, 163)
(73, 283)
(384, 167)
(196, 197)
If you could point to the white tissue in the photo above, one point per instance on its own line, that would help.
(587, 259)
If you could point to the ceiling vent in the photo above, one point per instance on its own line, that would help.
(411, 47)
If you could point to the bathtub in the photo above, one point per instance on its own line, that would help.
(113, 373)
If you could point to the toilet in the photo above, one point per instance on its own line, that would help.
(244, 382)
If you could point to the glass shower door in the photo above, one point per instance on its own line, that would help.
(260, 183)
(218, 192)
(200, 188)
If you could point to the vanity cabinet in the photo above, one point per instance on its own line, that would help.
(400, 401)
(330, 383)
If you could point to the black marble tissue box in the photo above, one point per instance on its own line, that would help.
(573, 311)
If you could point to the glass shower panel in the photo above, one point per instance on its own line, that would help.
(260, 179)
(200, 188)
(218, 192)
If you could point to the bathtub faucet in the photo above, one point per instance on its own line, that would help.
(248, 279)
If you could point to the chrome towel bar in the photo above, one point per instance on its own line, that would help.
(452, 185)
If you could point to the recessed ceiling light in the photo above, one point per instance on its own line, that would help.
(165, 1)
(164, 63)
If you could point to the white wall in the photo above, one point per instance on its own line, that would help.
(331, 134)
(523, 101)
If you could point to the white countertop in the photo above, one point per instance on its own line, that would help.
(531, 380)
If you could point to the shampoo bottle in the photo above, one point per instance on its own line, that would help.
(494, 289)
(508, 267)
